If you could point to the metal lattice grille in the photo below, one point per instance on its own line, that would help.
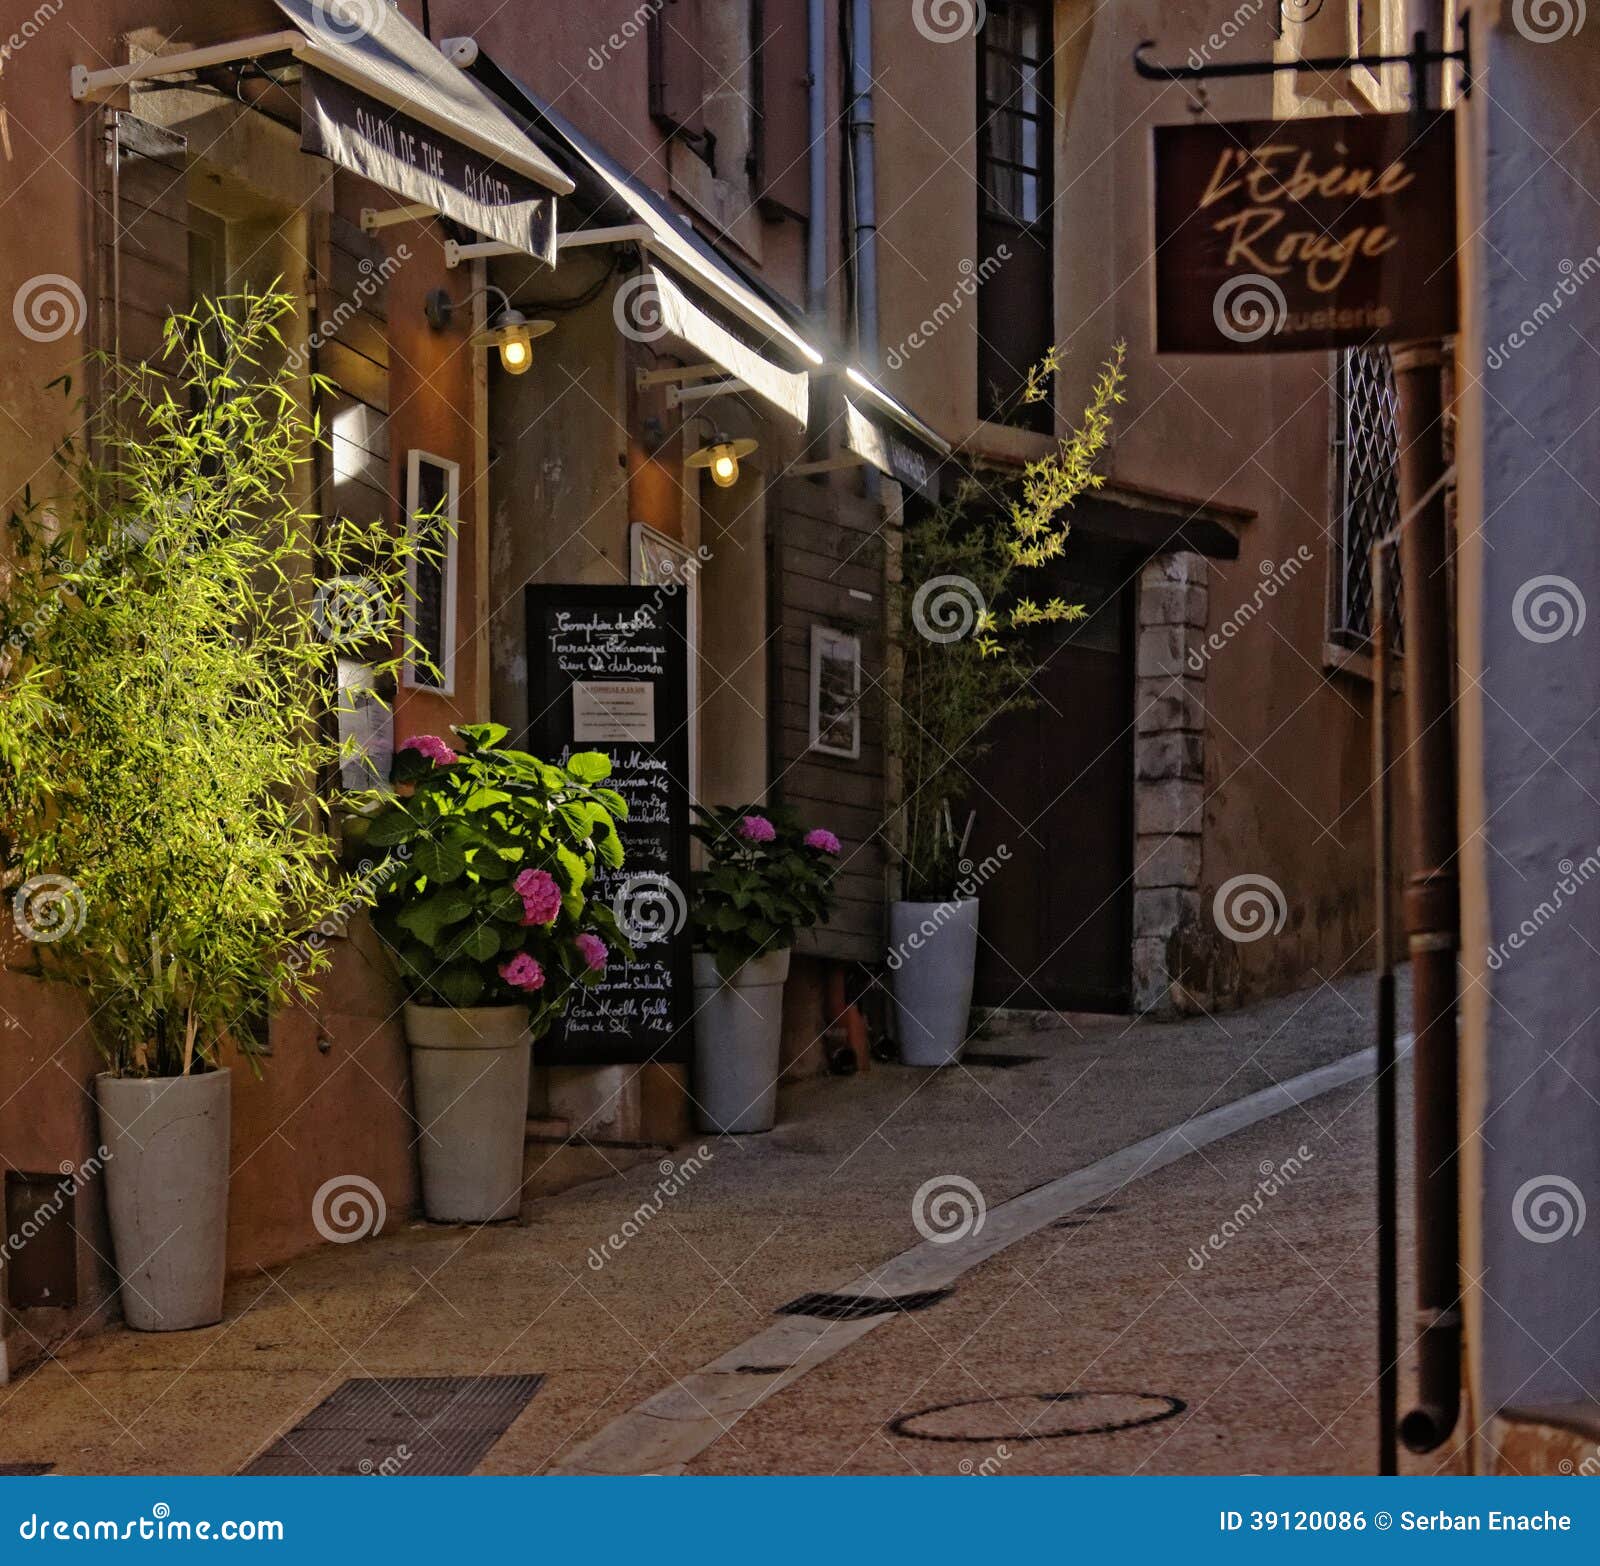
(1367, 452)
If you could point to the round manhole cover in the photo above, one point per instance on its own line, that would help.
(1038, 1416)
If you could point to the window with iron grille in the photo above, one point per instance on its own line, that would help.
(1367, 491)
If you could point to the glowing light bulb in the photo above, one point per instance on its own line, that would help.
(516, 354)
(724, 469)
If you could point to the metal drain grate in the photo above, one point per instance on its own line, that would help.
(1038, 1416)
(852, 1307)
(413, 1425)
(25, 1470)
(996, 1060)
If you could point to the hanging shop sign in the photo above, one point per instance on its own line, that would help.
(360, 133)
(608, 670)
(1314, 233)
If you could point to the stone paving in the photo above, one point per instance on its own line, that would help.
(617, 1293)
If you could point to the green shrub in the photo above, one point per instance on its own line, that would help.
(765, 878)
(493, 854)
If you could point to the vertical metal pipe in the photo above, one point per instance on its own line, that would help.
(862, 153)
(1431, 899)
(1383, 834)
(817, 161)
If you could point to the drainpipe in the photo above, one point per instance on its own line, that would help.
(817, 161)
(865, 227)
(1431, 898)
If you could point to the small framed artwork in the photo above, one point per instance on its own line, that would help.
(654, 560)
(835, 692)
(433, 494)
(366, 727)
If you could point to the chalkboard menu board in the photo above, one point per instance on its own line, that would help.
(608, 670)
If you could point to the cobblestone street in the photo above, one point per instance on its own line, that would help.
(1212, 1290)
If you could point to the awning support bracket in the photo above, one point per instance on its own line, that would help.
(578, 239)
(678, 395)
(372, 219)
(676, 374)
(93, 84)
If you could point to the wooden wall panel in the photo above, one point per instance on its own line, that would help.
(826, 567)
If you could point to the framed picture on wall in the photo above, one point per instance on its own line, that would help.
(835, 693)
(366, 726)
(433, 496)
(654, 560)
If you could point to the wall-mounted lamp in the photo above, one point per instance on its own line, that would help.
(721, 459)
(511, 331)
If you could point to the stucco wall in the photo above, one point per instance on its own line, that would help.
(1530, 748)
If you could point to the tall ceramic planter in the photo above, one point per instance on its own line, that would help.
(933, 948)
(167, 1194)
(469, 1072)
(738, 1038)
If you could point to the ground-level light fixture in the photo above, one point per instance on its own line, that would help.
(510, 331)
(721, 459)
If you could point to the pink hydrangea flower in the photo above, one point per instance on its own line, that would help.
(594, 951)
(541, 897)
(522, 973)
(431, 746)
(756, 829)
(823, 840)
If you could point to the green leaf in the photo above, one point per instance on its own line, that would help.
(430, 917)
(589, 766)
(459, 984)
(390, 828)
(480, 943)
(444, 860)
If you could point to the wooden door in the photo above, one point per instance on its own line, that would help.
(1057, 917)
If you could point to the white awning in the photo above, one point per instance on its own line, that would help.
(380, 100)
(369, 45)
(876, 441)
(685, 321)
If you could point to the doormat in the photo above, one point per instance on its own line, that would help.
(25, 1470)
(852, 1307)
(391, 1425)
(1038, 1416)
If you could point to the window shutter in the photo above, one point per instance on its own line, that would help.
(677, 66)
(142, 235)
(783, 139)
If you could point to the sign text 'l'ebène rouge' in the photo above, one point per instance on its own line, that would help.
(1312, 233)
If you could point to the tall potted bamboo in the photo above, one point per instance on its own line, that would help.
(491, 917)
(972, 643)
(166, 670)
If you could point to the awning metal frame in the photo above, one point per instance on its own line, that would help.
(374, 218)
(677, 374)
(96, 84)
(578, 239)
(678, 395)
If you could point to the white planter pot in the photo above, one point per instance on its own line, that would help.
(738, 1037)
(469, 1073)
(167, 1194)
(933, 948)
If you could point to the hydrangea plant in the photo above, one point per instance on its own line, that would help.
(492, 900)
(765, 878)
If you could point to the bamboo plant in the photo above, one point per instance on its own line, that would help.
(168, 671)
(971, 629)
